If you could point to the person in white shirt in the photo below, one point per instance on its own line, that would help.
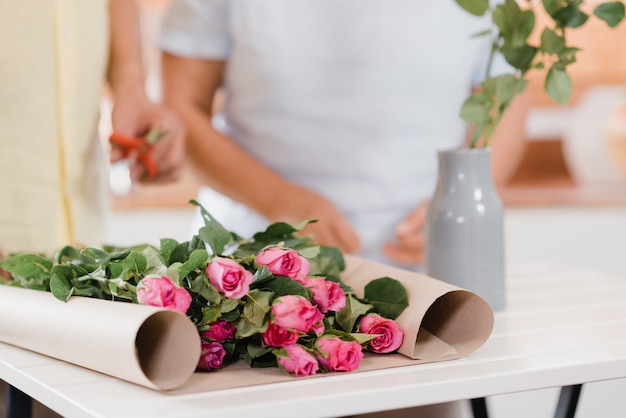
(332, 110)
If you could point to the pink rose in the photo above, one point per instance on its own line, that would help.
(338, 355)
(298, 361)
(276, 336)
(318, 328)
(295, 313)
(211, 355)
(161, 291)
(220, 331)
(328, 295)
(391, 334)
(284, 263)
(229, 277)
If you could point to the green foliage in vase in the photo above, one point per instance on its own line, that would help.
(513, 22)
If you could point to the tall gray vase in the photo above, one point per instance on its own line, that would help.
(465, 226)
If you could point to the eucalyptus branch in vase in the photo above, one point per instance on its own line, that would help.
(513, 23)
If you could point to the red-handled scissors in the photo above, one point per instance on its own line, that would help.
(141, 146)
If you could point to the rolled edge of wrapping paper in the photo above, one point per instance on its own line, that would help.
(149, 346)
(164, 336)
(442, 321)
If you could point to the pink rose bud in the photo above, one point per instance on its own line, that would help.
(298, 361)
(229, 277)
(338, 355)
(221, 330)
(161, 291)
(283, 262)
(211, 355)
(328, 295)
(276, 336)
(391, 334)
(295, 313)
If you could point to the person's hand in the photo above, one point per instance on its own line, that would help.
(409, 245)
(134, 117)
(332, 227)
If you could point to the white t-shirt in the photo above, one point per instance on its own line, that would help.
(350, 98)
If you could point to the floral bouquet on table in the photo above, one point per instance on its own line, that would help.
(276, 300)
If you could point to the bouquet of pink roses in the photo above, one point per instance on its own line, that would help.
(275, 300)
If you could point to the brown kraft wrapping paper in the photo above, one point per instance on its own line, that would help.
(442, 322)
(152, 347)
(159, 349)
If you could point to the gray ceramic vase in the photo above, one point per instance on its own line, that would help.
(465, 226)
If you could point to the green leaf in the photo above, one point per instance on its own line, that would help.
(210, 315)
(123, 253)
(135, 263)
(558, 85)
(197, 260)
(95, 254)
(552, 6)
(67, 253)
(167, 245)
(257, 306)
(611, 12)
(277, 231)
(346, 318)
(551, 42)
(476, 108)
(497, 92)
(179, 254)
(363, 338)
(282, 286)
(60, 287)
(244, 328)
(388, 296)
(514, 24)
(229, 305)
(329, 262)
(475, 7)
(267, 360)
(262, 275)
(200, 285)
(121, 289)
(567, 57)
(31, 266)
(213, 233)
(154, 262)
(504, 87)
(116, 270)
(520, 57)
(256, 349)
(570, 17)
(88, 291)
(309, 252)
(231, 316)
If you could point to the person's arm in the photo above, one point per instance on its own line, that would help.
(189, 88)
(126, 71)
(133, 113)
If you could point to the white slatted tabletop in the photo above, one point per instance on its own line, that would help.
(560, 328)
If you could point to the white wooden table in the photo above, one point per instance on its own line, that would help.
(562, 328)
